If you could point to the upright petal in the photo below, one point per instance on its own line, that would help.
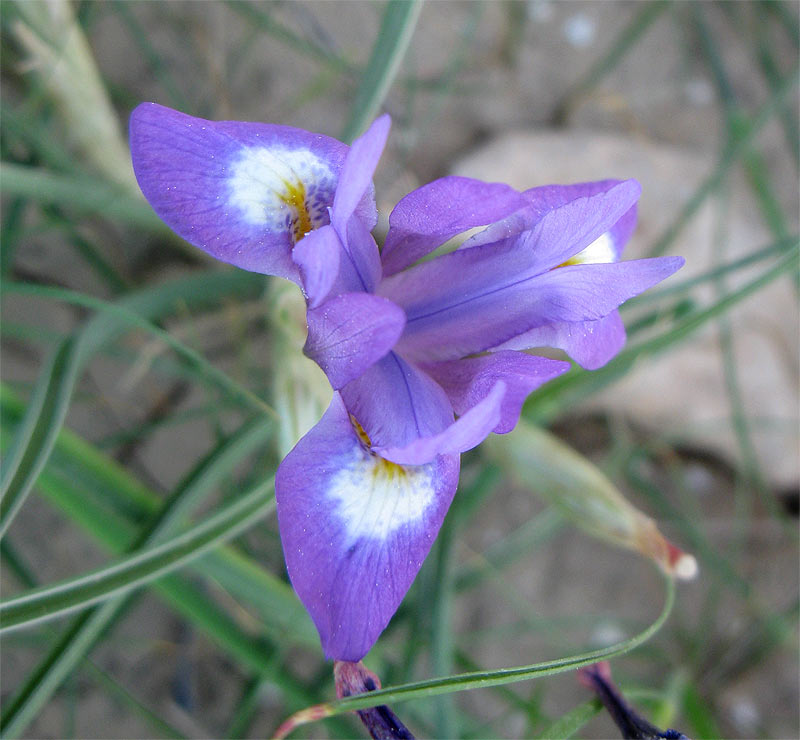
(541, 200)
(243, 192)
(429, 216)
(590, 343)
(548, 197)
(355, 529)
(359, 167)
(351, 332)
(469, 381)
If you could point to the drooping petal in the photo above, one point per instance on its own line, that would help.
(351, 332)
(476, 305)
(543, 199)
(243, 192)
(469, 381)
(429, 216)
(396, 403)
(318, 256)
(466, 432)
(355, 529)
(590, 343)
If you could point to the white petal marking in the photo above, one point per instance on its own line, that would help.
(600, 251)
(375, 497)
(272, 187)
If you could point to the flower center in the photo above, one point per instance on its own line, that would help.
(295, 198)
(281, 190)
(384, 469)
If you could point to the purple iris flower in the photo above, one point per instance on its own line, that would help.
(424, 357)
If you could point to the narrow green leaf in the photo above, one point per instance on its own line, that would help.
(729, 157)
(282, 614)
(25, 461)
(646, 16)
(84, 632)
(55, 385)
(86, 194)
(139, 568)
(397, 28)
(486, 679)
(279, 609)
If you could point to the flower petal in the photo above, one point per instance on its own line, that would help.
(543, 199)
(478, 302)
(360, 265)
(356, 176)
(317, 256)
(429, 216)
(590, 343)
(351, 332)
(243, 192)
(396, 403)
(466, 432)
(467, 382)
(355, 529)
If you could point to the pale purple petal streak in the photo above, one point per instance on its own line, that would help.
(356, 176)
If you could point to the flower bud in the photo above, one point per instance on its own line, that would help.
(539, 461)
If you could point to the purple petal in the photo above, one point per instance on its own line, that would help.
(590, 343)
(467, 432)
(432, 214)
(360, 264)
(554, 196)
(396, 403)
(541, 200)
(469, 381)
(478, 304)
(317, 256)
(356, 176)
(243, 192)
(355, 529)
(351, 332)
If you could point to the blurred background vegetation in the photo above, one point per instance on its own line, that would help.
(137, 376)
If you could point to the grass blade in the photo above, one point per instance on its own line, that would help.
(25, 459)
(82, 635)
(729, 157)
(88, 195)
(140, 568)
(397, 28)
(54, 388)
(482, 679)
